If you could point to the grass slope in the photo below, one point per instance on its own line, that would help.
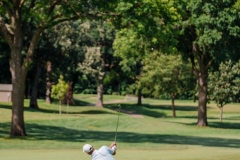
(144, 132)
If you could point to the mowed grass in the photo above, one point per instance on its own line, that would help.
(144, 132)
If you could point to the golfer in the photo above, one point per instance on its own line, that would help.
(103, 153)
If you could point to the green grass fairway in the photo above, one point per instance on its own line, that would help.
(146, 132)
(193, 153)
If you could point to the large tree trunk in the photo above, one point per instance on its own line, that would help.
(173, 106)
(34, 94)
(18, 81)
(202, 96)
(99, 96)
(48, 82)
(204, 60)
(139, 102)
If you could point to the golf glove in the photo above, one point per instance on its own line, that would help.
(114, 148)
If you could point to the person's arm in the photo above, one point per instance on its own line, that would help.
(113, 146)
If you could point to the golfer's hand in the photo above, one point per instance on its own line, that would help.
(113, 144)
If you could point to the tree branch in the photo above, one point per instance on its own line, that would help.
(62, 20)
(21, 3)
(209, 63)
(55, 17)
(52, 6)
(194, 68)
(71, 6)
(95, 15)
(31, 5)
(8, 9)
(4, 30)
(33, 44)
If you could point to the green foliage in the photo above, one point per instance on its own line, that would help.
(166, 74)
(96, 40)
(86, 85)
(152, 20)
(92, 64)
(60, 89)
(212, 26)
(131, 48)
(143, 26)
(224, 84)
(110, 76)
(208, 33)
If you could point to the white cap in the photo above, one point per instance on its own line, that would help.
(87, 148)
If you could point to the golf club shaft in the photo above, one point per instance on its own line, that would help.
(117, 123)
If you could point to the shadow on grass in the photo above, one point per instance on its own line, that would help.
(193, 117)
(91, 110)
(52, 111)
(135, 109)
(169, 107)
(225, 125)
(62, 134)
(6, 106)
(232, 118)
(78, 102)
(221, 125)
(156, 111)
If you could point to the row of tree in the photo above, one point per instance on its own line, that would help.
(150, 37)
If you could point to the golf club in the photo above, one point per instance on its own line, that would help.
(117, 122)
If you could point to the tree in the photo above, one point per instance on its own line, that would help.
(208, 33)
(97, 42)
(131, 48)
(41, 63)
(34, 89)
(166, 74)
(143, 27)
(92, 65)
(21, 24)
(204, 31)
(59, 91)
(65, 43)
(222, 84)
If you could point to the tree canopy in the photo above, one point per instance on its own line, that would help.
(206, 32)
(21, 24)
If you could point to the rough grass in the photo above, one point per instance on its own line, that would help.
(155, 135)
